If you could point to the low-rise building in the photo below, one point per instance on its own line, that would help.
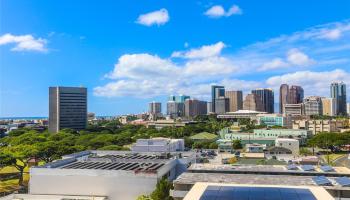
(291, 144)
(112, 174)
(159, 124)
(255, 148)
(317, 126)
(274, 120)
(158, 145)
(241, 114)
(293, 109)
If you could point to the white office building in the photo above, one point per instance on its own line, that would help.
(158, 145)
(288, 143)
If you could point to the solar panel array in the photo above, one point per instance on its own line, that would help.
(307, 167)
(322, 181)
(327, 168)
(343, 181)
(256, 193)
(132, 156)
(130, 166)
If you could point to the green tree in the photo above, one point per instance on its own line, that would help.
(236, 144)
(144, 197)
(162, 190)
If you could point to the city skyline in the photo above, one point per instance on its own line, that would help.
(128, 59)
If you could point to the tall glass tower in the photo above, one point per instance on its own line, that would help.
(338, 92)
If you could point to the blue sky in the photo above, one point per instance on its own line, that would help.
(128, 53)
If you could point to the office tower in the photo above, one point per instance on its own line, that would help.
(293, 109)
(284, 96)
(67, 108)
(194, 107)
(209, 107)
(296, 94)
(221, 105)
(235, 100)
(313, 106)
(216, 92)
(252, 102)
(155, 108)
(175, 109)
(266, 97)
(338, 92)
(178, 98)
(329, 106)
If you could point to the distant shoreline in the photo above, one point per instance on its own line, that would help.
(24, 118)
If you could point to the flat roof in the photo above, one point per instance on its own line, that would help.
(266, 169)
(200, 191)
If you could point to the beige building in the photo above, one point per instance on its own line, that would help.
(235, 100)
(329, 106)
(252, 102)
(317, 126)
(293, 109)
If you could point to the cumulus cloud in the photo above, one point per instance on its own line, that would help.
(24, 42)
(202, 52)
(158, 17)
(218, 11)
(285, 59)
(332, 34)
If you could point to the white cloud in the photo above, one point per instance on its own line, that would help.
(209, 67)
(202, 52)
(158, 17)
(332, 34)
(218, 11)
(296, 57)
(24, 42)
(276, 63)
(141, 66)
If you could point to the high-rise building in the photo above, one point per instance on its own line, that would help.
(338, 92)
(296, 94)
(216, 92)
(175, 109)
(329, 106)
(253, 102)
(221, 105)
(267, 99)
(284, 96)
(155, 108)
(235, 100)
(348, 108)
(178, 98)
(293, 109)
(209, 107)
(67, 108)
(194, 107)
(313, 105)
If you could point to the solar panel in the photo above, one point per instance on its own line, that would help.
(327, 168)
(307, 168)
(292, 167)
(343, 181)
(321, 180)
(256, 193)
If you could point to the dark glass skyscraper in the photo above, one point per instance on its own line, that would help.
(67, 108)
(284, 96)
(216, 92)
(266, 97)
(290, 95)
(338, 92)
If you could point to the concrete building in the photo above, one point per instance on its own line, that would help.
(241, 114)
(329, 106)
(317, 126)
(221, 105)
(288, 143)
(255, 148)
(290, 95)
(216, 92)
(155, 108)
(338, 92)
(194, 107)
(293, 109)
(159, 124)
(312, 106)
(267, 99)
(175, 109)
(235, 100)
(67, 108)
(274, 120)
(111, 174)
(158, 145)
(253, 102)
